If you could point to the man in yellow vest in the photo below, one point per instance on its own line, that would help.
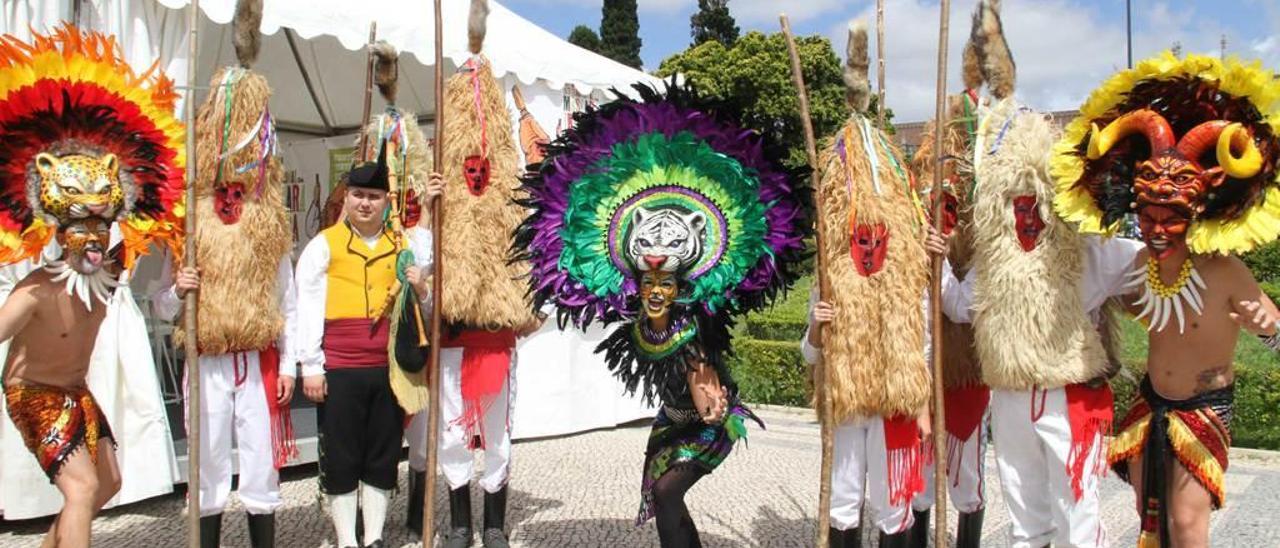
(344, 276)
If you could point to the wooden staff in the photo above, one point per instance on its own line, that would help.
(880, 64)
(820, 377)
(190, 302)
(437, 293)
(362, 149)
(935, 291)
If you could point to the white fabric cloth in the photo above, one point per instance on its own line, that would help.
(860, 462)
(312, 282)
(966, 474)
(342, 510)
(1106, 261)
(122, 377)
(456, 460)
(233, 405)
(373, 507)
(1032, 436)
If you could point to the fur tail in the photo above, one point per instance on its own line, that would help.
(998, 68)
(386, 70)
(477, 25)
(245, 26)
(858, 86)
(971, 61)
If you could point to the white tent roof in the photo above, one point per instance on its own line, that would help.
(330, 37)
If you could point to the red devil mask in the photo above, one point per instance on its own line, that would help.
(1027, 221)
(1164, 229)
(412, 209)
(950, 213)
(228, 202)
(868, 247)
(476, 170)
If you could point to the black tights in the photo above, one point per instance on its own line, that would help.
(675, 526)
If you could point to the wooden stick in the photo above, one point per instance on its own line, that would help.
(820, 370)
(437, 292)
(190, 302)
(362, 152)
(880, 64)
(935, 291)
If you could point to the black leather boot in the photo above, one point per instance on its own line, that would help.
(850, 538)
(210, 531)
(417, 481)
(918, 536)
(898, 540)
(262, 530)
(459, 535)
(969, 530)
(494, 533)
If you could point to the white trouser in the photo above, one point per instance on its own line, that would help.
(859, 454)
(233, 404)
(1032, 435)
(966, 474)
(456, 461)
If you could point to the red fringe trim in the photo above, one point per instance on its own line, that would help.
(284, 447)
(905, 459)
(1089, 410)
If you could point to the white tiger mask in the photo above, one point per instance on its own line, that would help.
(665, 239)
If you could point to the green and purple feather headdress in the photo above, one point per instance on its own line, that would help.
(672, 150)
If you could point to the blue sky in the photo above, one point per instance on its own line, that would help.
(1063, 48)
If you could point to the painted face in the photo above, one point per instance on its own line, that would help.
(868, 246)
(1027, 221)
(658, 292)
(1164, 230)
(228, 202)
(1169, 179)
(84, 243)
(476, 170)
(412, 209)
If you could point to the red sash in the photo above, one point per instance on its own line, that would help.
(355, 343)
(904, 455)
(486, 363)
(283, 445)
(1089, 410)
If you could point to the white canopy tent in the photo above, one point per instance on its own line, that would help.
(313, 56)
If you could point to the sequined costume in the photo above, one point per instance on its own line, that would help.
(56, 422)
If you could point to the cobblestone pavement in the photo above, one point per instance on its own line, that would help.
(582, 491)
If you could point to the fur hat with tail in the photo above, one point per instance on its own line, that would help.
(477, 25)
(858, 86)
(386, 70)
(987, 37)
(245, 26)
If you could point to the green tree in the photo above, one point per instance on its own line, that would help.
(585, 37)
(712, 21)
(620, 32)
(756, 73)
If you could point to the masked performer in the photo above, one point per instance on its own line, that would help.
(1032, 291)
(484, 307)
(87, 143)
(966, 395)
(875, 268)
(344, 277)
(666, 215)
(246, 298)
(1191, 146)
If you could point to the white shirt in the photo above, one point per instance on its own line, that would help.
(167, 304)
(312, 281)
(1106, 262)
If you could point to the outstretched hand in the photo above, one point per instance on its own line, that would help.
(1254, 318)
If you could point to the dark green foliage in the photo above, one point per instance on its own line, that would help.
(585, 37)
(1265, 263)
(713, 21)
(620, 32)
(770, 372)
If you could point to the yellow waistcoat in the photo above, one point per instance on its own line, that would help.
(359, 279)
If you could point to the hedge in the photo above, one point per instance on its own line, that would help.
(1255, 423)
(1272, 289)
(1265, 263)
(771, 372)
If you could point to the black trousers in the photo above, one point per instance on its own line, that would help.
(361, 428)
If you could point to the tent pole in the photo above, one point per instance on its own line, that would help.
(190, 344)
(437, 292)
(820, 376)
(306, 79)
(939, 425)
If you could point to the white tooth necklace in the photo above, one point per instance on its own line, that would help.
(85, 286)
(1160, 301)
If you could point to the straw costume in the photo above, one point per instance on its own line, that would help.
(875, 348)
(246, 301)
(1032, 291)
(87, 143)
(484, 305)
(666, 216)
(1190, 145)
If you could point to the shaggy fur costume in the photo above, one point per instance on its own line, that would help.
(239, 307)
(481, 289)
(1030, 326)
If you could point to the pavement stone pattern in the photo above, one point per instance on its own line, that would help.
(583, 491)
